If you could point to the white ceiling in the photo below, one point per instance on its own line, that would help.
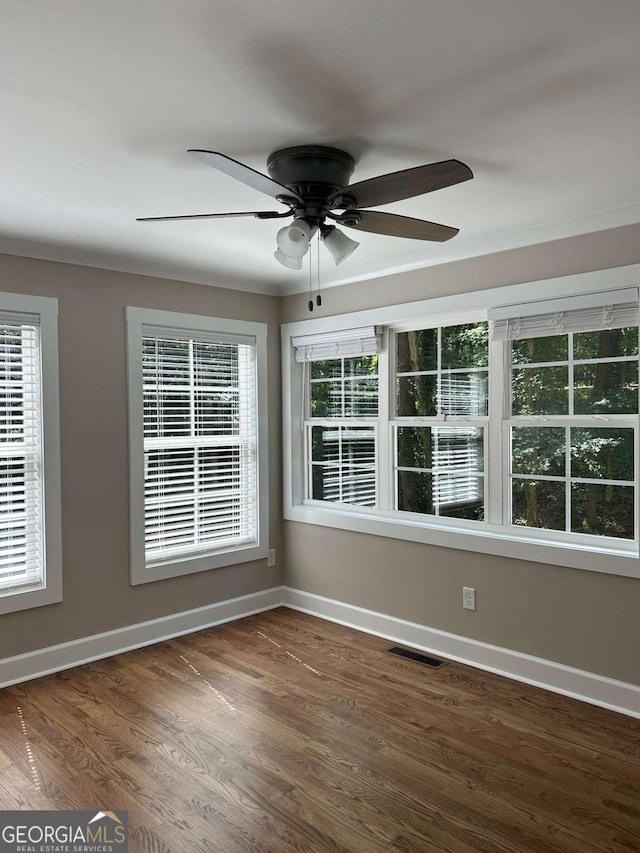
(100, 100)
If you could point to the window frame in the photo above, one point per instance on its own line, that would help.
(600, 554)
(50, 589)
(137, 318)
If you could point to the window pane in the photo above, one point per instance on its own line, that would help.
(538, 450)
(419, 491)
(351, 391)
(415, 492)
(326, 399)
(165, 362)
(602, 510)
(325, 483)
(325, 444)
(603, 453)
(361, 398)
(326, 369)
(455, 457)
(608, 343)
(215, 365)
(217, 413)
(606, 387)
(537, 503)
(464, 394)
(465, 346)
(414, 447)
(343, 484)
(416, 351)
(416, 396)
(470, 507)
(535, 350)
(343, 445)
(540, 391)
(358, 446)
(362, 365)
(346, 472)
(167, 413)
(458, 463)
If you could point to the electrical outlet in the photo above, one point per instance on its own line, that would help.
(468, 598)
(271, 557)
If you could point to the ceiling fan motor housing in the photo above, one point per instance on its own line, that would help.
(313, 172)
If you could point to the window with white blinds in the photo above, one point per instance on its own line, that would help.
(199, 444)
(480, 421)
(200, 437)
(30, 540)
(21, 539)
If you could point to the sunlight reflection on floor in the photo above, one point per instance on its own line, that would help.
(209, 685)
(290, 654)
(32, 764)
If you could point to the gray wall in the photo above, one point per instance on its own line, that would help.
(579, 618)
(93, 409)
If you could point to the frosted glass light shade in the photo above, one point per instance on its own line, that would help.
(339, 245)
(287, 260)
(293, 240)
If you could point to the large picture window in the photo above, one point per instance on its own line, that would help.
(513, 422)
(200, 445)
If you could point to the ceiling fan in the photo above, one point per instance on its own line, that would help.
(312, 181)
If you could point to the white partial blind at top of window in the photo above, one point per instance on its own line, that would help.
(613, 309)
(200, 442)
(346, 343)
(21, 486)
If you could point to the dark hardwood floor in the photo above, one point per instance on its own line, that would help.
(282, 733)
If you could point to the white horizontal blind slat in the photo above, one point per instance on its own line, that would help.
(200, 444)
(21, 493)
(589, 312)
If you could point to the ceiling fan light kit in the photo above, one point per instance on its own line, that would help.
(312, 181)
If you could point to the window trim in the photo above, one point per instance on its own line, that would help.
(136, 318)
(537, 546)
(50, 591)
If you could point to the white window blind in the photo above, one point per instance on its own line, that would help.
(200, 443)
(457, 466)
(346, 343)
(613, 309)
(21, 481)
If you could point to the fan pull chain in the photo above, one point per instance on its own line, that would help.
(318, 297)
(310, 303)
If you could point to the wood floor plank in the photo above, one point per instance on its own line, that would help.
(282, 733)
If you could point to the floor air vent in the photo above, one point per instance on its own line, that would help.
(434, 663)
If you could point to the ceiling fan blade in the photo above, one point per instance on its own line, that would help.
(245, 174)
(259, 214)
(396, 226)
(405, 184)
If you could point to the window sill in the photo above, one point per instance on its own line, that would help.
(13, 600)
(189, 564)
(503, 543)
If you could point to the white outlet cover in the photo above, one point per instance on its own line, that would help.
(468, 598)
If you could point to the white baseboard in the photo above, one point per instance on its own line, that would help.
(86, 649)
(587, 686)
